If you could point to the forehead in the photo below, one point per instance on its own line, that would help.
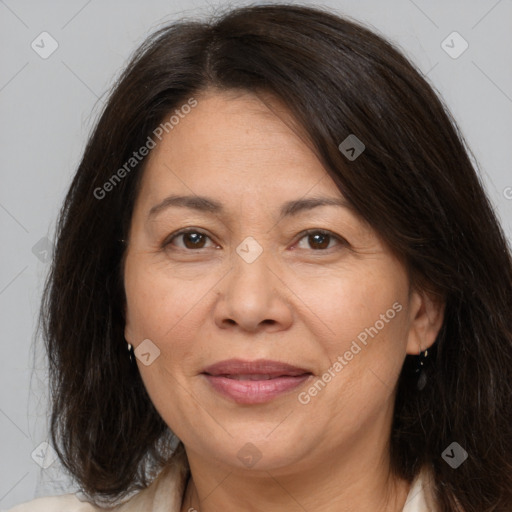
(232, 144)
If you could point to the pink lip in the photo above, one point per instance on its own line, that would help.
(254, 382)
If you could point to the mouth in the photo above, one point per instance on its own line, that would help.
(253, 382)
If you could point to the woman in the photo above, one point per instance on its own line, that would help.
(278, 218)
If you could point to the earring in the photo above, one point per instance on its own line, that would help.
(420, 370)
(131, 352)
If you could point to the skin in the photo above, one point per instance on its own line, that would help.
(301, 301)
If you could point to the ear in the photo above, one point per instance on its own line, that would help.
(426, 319)
(128, 331)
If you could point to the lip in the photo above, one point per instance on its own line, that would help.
(254, 382)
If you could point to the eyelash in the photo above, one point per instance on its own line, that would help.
(168, 241)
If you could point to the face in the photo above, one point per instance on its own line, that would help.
(305, 312)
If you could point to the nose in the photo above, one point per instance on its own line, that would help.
(253, 297)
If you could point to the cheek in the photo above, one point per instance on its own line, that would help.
(161, 310)
(364, 305)
(362, 366)
(362, 335)
(160, 304)
(170, 312)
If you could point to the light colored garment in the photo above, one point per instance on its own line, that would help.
(166, 492)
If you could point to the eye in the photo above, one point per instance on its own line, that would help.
(317, 239)
(191, 238)
(320, 240)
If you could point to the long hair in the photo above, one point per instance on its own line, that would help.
(414, 184)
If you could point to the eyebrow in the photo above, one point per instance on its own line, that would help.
(209, 205)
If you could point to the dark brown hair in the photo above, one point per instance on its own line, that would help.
(414, 183)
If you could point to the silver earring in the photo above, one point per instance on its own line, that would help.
(130, 352)
(420, 370)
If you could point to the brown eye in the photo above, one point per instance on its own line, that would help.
(193, 240)
(190, 239)
(319, 240)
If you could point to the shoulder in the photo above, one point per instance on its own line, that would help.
(63, 503)
(421, 498)
(163, 495)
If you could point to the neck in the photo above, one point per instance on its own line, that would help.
(341, 482)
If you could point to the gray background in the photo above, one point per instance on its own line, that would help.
(48, 107)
